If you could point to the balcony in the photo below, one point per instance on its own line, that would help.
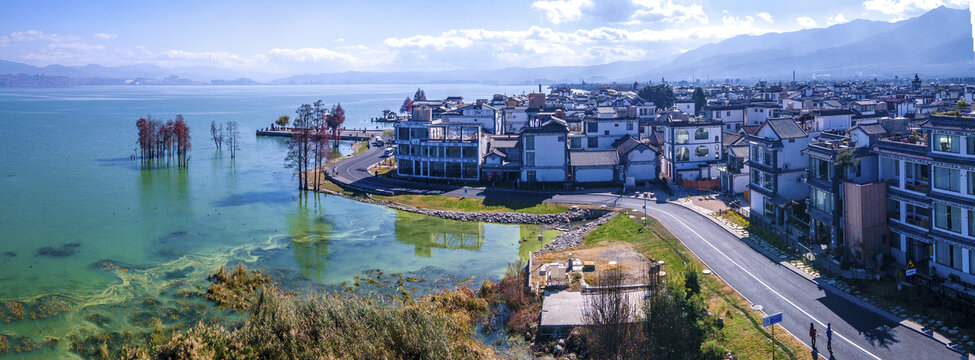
(917, 186)
(919, 222)
(893, 182)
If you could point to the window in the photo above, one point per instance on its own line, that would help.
(701, 151)
(592, 127)
(701, 134)
(682, 154)
(971, 183)
(947, 217)
(529, 142)
(728, 113)
(942, 253)
(947, 179)
(717, 114)
(820, 199)
(917, 216)
(946, 143)
(682, 137)
(819, 168)
(971, 223)
(593, 142)
(469, 152)
(769, 179)
(769, 208)
(767, 157)
(605, 132)
(575, 143)
(970, 142)
(529, 159)
(629, 126)
(756, 177)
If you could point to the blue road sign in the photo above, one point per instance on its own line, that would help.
(772, 319)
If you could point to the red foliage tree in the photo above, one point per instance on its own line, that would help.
(335, 119)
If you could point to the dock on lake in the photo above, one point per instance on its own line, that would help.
(344, 134)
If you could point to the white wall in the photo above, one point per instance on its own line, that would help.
(584, 175)
(548, 175)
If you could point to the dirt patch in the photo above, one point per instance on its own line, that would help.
(634, 264)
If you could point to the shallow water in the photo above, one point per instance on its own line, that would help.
(79, 219)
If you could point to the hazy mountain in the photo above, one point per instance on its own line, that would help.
(936, 43)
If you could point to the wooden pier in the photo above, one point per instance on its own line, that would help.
(344, 134)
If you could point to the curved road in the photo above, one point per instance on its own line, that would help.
(858, 332)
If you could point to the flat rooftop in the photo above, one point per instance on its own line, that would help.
(564, 308)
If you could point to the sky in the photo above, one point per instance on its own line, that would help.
(304, 37)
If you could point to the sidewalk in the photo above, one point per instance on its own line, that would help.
(796, 265)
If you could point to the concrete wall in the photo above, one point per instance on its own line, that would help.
(592, 175)
(865, 224)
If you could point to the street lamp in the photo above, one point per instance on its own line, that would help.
(645, 197)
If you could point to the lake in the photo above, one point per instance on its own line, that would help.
(89, 240)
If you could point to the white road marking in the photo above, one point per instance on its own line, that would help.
(764, 284)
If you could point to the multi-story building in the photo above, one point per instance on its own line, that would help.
(545, 153)
(842, 184)
(434, 149)
(732, 116)
(777, 164)
(691, 149)
(931, 196)
(607, 126)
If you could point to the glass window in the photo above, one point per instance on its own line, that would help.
(971, 223)
(769, 207)
(592, 127)
(529, 159)
(946, 143)
(701, 151)
(701, 134)
(942, 253)
(767, 157)
(947, 217)
(820, 199)
(971, 182)
(768, 181)
(947, 179)
(593, 142)
(576, 142)
(629, 126)
(682, 136)
(682, 154)
(529, 142)
(970, 142)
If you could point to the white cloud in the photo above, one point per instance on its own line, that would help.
(560, 11)
(26, 36)
(806, 22)
(765, 16)
(310, 55)
(620, 11)
(909, 7)
(104, 36)
(838, 19)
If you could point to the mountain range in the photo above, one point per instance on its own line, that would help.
(936, 44)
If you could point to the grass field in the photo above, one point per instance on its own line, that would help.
(742, 333)
(451, 203)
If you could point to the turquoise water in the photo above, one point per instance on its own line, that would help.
(81, 221)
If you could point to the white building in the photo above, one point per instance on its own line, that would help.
(691, 149)
(732, 116)
(778, 166)
(485, 115)
(545, 153)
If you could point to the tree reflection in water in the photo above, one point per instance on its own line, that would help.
(310, 236)
(426, 233)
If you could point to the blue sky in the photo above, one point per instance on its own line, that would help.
(289, 37)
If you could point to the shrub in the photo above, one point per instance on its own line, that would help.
(711, 350)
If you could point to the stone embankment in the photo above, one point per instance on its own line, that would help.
(552, 220)
(574, 237)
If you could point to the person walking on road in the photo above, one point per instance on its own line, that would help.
(813, 334)
(829, 338)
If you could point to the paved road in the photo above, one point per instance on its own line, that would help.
(858, 332)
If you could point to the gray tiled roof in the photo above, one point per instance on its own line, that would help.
(786, 128)
(594, 158)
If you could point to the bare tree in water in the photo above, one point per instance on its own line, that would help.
(233, 136)
(217, 133)
(611, 331)
(299, 145)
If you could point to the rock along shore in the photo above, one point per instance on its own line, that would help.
(551, 220)
(574, 237)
